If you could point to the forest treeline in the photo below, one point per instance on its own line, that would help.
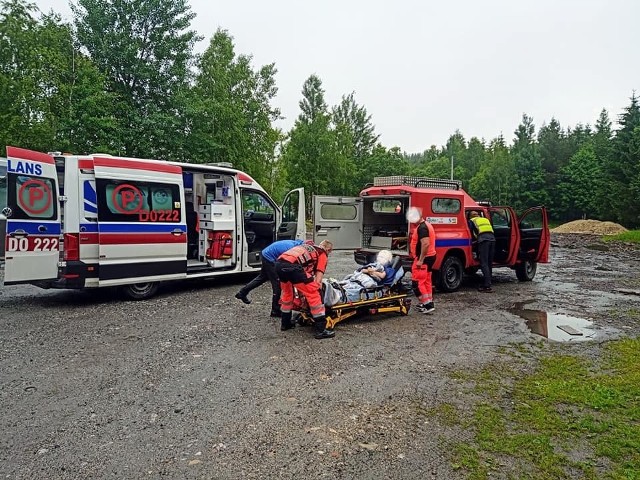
(123, 78)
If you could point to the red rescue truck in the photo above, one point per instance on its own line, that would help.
(376, 220)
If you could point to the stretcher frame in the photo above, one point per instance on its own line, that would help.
(387, 299)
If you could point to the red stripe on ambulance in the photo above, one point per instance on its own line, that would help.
(23, 153)
(134, 165)
(140, 238)
(89, 238)
(85, 164)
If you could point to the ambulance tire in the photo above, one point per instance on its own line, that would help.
(526, 270)
(140, 291)
(450, 274)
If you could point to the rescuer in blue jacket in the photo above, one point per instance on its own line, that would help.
(268, 272)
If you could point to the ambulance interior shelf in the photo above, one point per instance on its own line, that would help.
(217, 225)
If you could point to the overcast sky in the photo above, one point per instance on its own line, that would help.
(425, 68)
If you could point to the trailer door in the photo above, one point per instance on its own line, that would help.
(339, 220)
(142, 231)
(32, 217)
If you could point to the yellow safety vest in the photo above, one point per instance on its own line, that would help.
(483, 224)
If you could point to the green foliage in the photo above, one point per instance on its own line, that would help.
(357, 122)
(621, 179)
(230, 114)
(144, 47)
(310, 157)
(579, 181)
(529, 176)
(495, 180)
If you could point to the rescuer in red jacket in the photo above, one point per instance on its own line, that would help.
(423, 249)
(302, 267)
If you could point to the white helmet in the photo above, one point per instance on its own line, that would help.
(414, 215)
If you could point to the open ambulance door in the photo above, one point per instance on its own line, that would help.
(33, 217)
(293, 226)
(534, 235)
(505, 228)
(339, 220)
(142, 227)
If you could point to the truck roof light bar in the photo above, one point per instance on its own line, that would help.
(418, 182)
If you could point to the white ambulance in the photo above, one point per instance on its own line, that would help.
(98, 221)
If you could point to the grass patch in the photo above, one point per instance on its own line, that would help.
(446, 413)
(631, 313)
(632, 236)
(570, 418)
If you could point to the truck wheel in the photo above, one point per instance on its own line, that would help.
(140, 291)
(451, 272)
(526, 270)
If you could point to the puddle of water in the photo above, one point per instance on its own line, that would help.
(547, 325)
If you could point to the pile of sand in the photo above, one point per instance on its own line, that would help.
(595, 227)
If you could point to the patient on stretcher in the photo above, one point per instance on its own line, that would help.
(352, 288)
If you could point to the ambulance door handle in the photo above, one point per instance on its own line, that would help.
(176, 232)
(19, 233)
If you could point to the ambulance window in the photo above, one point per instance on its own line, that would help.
(257, 205)
(338, 212)
(125, 200)
(290, 207)
(33, 197)
(138, 202)
(445, 205)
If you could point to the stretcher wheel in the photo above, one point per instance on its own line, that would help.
(406, 303)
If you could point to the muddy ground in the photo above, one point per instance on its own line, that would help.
(195, 384)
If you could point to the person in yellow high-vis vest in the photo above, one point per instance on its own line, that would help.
(483, 233)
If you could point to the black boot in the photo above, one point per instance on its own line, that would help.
(243, 296)
(275, 306)
(286, 322)
(321, 331)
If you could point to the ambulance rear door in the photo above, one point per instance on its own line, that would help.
(339, 220)
(293, 225)
(32, 214)
(142, 231)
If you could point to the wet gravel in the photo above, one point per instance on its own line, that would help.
(195, 384)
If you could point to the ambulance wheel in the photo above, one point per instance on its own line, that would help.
(140, 291)
(451, 273)
(526, 270)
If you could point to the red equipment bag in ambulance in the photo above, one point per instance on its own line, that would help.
(220, 246)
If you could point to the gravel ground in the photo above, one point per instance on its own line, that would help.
(195, 384)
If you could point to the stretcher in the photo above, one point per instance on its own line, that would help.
(392, 298)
